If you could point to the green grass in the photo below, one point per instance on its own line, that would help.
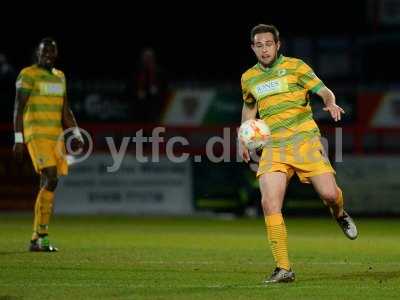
(161, 258)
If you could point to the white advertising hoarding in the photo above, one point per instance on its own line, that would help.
(371, 183)
(159, 188)
(189, 106)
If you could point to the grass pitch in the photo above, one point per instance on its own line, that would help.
(163, 258)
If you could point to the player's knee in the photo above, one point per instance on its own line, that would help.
(51, 183)
(270, 205)
(46, 205)
(50, 178)
(329, 196)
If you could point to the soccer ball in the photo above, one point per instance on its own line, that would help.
(254, 134)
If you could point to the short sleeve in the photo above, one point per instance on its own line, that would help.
(64, 81)
(307, 78)
(24, 83)
(247, 96)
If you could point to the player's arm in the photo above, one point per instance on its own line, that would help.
(23, 88)
(330, 103)
(310, 81)
(21, 98)
(249, 111)
(69, 121)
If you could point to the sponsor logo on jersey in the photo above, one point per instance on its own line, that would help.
(270, 87)
(51, 89)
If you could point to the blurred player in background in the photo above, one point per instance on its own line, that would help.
(40, 114)
(278, 88)
(150, 88)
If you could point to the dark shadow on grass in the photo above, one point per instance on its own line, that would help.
(11, 253)
(8, 297)
(141, 269)
(354, 276)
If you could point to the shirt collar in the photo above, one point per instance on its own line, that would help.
(274, 64)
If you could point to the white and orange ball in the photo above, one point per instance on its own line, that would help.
(254, 134)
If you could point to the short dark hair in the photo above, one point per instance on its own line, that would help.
(262, 28)
(48, 40)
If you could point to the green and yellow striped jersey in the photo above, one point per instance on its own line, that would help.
(42, 117)
(281, 94)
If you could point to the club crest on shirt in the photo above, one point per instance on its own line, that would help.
(281, 72)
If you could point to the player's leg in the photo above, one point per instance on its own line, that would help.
(273, 188)
(36, 213)
(46, 162)
(46, 198)
(44, 208)
(325, 185)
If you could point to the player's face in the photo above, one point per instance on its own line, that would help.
(265, 48)
(47, 55)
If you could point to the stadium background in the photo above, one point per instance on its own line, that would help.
(200, 58)
(180, 231)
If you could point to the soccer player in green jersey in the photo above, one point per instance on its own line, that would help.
(41, 112)
(278, 88)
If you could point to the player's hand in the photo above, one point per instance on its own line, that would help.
(244, 152)
(335, 111)
(19, 149)
(76, 144)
